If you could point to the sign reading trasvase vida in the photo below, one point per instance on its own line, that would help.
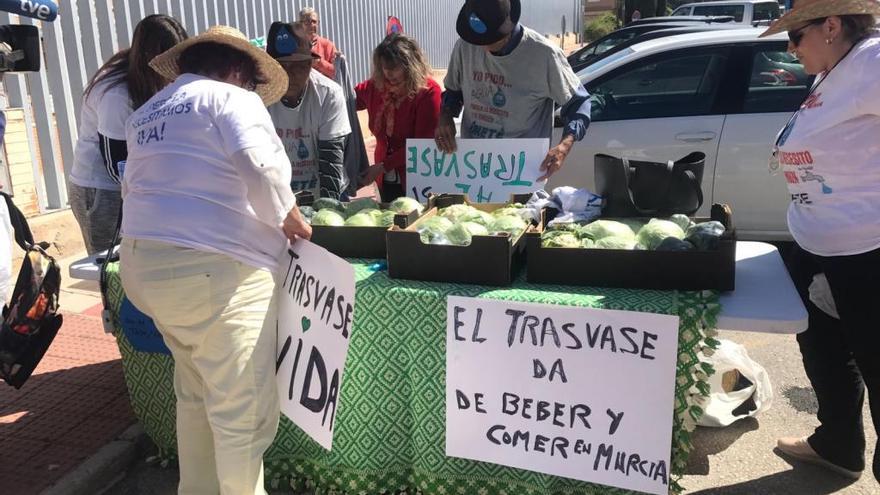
(487, 170)
(582, 393)
(315, 309)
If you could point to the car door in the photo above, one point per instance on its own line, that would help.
(656, 108)
(775, 86)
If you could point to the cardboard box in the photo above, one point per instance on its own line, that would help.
(488, 260)
(358, 242)
(667, 270)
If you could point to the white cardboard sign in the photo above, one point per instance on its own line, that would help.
(315, 308)
(487, 170)
(582, 393)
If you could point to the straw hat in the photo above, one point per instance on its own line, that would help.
(807, 10)
(269, 70)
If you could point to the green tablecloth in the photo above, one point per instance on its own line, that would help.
(390, 432)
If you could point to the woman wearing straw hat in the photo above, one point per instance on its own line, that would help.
(830, 155)
(207, 211)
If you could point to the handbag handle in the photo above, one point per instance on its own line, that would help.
(691, 180)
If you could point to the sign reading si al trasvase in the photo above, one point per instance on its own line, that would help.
(315, 309)
(582, 393)
(487, 170)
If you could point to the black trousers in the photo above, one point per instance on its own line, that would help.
(842, 357)
(390, 192)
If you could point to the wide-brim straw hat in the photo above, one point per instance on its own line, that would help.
(268, 69)
(807, 10)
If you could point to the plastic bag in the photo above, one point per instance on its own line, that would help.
(820, 295)
(740, 387)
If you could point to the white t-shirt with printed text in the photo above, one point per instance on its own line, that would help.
(321, 116)
(181, 185)
(830, 158)
(104, 111)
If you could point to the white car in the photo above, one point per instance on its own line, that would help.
(724, 93)
(750, 12)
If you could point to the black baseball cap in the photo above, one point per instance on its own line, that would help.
(483, 22)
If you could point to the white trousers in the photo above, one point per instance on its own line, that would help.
(217, 316)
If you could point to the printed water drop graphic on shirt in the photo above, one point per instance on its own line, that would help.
(499, 99)
(826, 189)
(302, 152)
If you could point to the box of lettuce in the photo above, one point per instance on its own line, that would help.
(357, 229)
(675, 253)
(461, 242)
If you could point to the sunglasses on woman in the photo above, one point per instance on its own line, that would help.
(798, 34)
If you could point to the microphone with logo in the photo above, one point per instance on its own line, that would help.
(20, 44)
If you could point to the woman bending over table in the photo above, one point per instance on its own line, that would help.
(207, 212)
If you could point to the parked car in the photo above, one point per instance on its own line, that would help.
(630, 34)
(693, 18)
(749, 12)
(662, 99)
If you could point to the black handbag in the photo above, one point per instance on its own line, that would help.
(636, 188)
(31, 319)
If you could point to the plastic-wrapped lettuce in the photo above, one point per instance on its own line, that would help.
(682, 221)
(373, 212)
(705, 236)
(478, 216)
(460, 234)
(433, 229)
(361, 220)
(405, 205)
(457, 212)
(307, 211)
(361, 204)
(588, 243)
(651, 235)
(673, 244)
(386, 218)
(560, 240)
(601, 229)
(513, 225)
(328, 203)
(328, 217)
(616, 242)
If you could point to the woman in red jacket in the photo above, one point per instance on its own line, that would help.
(403, 102)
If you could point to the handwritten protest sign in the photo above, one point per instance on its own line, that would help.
(581, 393)
(488, 170)
(315, 309)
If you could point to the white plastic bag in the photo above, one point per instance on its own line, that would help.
(732, 363)
(820, 295)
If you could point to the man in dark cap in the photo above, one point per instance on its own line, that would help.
(507, 78)
(311, 119)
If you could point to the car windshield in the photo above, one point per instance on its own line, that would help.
(735, 11)
(610, 59)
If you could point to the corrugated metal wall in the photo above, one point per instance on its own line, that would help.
(87, 32)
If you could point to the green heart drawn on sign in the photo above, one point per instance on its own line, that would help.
(306, 324)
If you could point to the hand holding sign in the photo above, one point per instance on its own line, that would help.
(487, 170)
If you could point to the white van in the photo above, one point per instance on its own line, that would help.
(749, 12)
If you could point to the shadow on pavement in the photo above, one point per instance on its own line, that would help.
(711, 441)
(802, 479)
